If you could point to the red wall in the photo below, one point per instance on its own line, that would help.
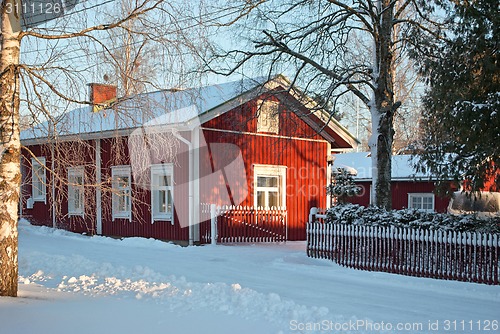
(41, 213)
(141, 225)
(400, 191)
(306, 160)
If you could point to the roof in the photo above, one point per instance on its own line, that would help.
(360, 163)
(182, 109)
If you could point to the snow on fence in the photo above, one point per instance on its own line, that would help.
(242, 224)
(462, 256)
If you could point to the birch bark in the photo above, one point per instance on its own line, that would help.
(383, 106)
(10, 170)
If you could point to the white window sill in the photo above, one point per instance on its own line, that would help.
(163, 219)
(126, 216)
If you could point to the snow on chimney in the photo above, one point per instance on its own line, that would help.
(102, 95)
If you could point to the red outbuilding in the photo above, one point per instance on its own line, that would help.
(157, 164)
(409, 188)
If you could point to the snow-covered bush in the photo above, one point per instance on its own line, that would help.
(356, 214)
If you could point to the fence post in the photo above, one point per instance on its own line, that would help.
(312, 214)
(213, 224)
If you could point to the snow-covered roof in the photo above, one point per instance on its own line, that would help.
(360, 164)
(182, 109)
(181, 106)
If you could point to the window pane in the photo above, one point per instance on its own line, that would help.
(273, 199)
(416, 202)
(37, 188)
(162, 201)
(123, 182)
(123, 201)
(169, 205)
(165, 181)
(77, 199)
(267, 181)
(427, 203)
(261, 198)
(37, 180)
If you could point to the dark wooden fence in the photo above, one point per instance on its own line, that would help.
(462, 256)
(243, 224)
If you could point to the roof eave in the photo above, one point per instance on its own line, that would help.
(187, 126)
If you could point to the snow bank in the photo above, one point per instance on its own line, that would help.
(81, 284)
(79, 274)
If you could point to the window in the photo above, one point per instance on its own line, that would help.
(162, 204)
(38, 180)
(121, 192)
(269, 186)
(268, 120)
(421, 202)
(76, 191)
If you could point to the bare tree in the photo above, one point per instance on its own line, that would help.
(318, 44)
(130, 64)
(51, 78)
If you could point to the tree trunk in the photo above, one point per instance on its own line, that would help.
(383, 108)
(10, 146)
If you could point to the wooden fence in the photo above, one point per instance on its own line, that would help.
(462, 256)
(243, 224)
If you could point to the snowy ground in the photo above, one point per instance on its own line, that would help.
(76, 284)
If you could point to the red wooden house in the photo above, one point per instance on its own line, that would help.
(409, 189)
(150, 165)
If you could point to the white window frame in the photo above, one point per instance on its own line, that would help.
(272, 171)
(121, 191)
(38, 165)
(76, 190)
(156, 213)
(412, 196)
(268, 116)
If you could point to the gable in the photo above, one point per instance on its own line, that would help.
(244, 119)
(300, 112)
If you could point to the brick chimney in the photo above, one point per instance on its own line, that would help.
(102, 95)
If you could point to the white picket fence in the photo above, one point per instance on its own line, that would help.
(463, 256)
(230, 224)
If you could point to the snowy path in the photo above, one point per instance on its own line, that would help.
(136, 285)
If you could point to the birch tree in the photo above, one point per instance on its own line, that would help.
(317, 43)
(10, 146)
(53, 79)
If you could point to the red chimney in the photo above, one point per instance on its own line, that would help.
(102, 96)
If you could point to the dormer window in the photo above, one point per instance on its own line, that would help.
(268, 120)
